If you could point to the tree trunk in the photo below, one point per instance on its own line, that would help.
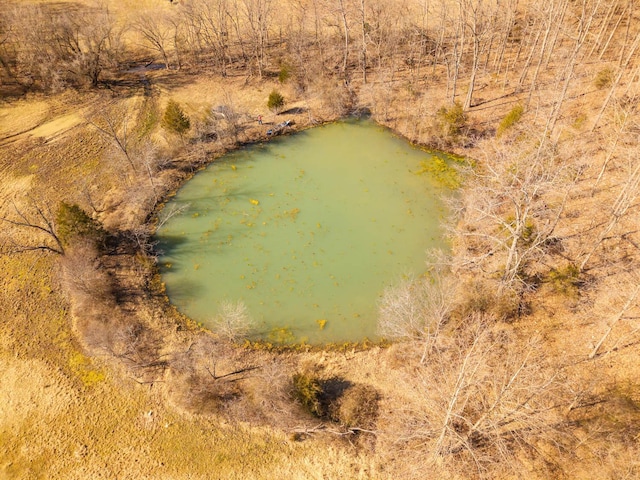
(363, 47)
(621, 71)
(345, 26)
(618, 317)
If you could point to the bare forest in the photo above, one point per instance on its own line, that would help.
(514, 357)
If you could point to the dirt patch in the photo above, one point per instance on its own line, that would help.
(54, 128)
(22, 117)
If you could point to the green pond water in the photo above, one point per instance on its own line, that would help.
(306, 230)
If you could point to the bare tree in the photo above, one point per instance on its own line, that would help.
(33, 226)
(363, 40)
(624, 300)
(113, 125)
(604, 23)
(619, 209)
(417, 309)
(621, 123)
(624, 13)
(344, 15)
(508, 22)
(99, 43)
(549, 22)
(481, 23)
(588, 11)
(212, 18)
(116, 127)
(168, 213)
(454, 55)
(56, 47)
(623, 68)
(226, 121)
(84, 277)
(233, 321)
(510, 207)
(8, 51)
(208, 374)
(156, 32)
(258, 16)
(481, 398)
(30, 228)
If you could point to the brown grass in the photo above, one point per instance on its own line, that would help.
(74, 405)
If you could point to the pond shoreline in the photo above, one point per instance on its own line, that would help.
(393, 204)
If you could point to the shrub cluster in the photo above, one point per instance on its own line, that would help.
(480, 297)
(357, 407)
(603, 78)
(565, 280)
(275, 101)
(351, 405)
(174, 119)
(450, 121)
(74, 224)
(307, 390)
(510, 119)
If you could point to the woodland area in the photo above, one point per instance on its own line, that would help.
(515, 356)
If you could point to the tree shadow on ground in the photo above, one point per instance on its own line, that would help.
(332, 390)
(294, 111)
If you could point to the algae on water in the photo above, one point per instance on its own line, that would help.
(307, 231)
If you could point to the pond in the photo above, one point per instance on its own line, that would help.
(302, 234)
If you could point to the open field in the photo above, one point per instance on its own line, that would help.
(532, 370)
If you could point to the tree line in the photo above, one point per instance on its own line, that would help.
(468, 41)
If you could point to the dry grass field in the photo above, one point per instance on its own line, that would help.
(101, 378)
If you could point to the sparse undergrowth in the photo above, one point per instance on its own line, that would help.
(143, 352)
